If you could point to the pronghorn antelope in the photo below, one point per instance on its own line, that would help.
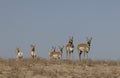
(69, 48)
(19, 54)
(52, 52)
(84, 48)
(33, 54)
(56, 55)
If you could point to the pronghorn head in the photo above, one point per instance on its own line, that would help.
(53, 49)
(32, 47)
(61, 49)
(89, 40)
(17, 50)
(71, 40)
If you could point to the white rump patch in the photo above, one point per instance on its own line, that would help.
(33, 53)
(87, 49)
(81, 48)
(20, 54)
(71, 49)
(55, 56)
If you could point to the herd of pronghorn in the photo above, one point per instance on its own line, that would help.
(82, 48)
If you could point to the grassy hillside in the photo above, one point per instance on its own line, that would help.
(42, 68)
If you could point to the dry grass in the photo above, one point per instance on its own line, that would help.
(42, 68)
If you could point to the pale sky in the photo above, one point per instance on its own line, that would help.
(48, 23)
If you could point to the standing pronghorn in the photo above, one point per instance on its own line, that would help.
(33, 54)
(69, 48)
(56, 55)
(19, 54)
(84, 48)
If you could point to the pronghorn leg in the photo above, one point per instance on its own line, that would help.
(72, 56)
(69, 54)
(17, 59)
(66, 55)
(84, 55)
(80, 55)
(21, 58)
(87, 56)
(35, 57)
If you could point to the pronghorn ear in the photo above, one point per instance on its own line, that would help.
(89, 39)
(17, 49)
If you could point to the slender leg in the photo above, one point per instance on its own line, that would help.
(80, 55)
(72, 56)
(87, 56)
(67, 55)
(84, 55)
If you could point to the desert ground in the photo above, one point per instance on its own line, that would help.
(44, 68)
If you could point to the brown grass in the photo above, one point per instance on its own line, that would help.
(42, 68)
